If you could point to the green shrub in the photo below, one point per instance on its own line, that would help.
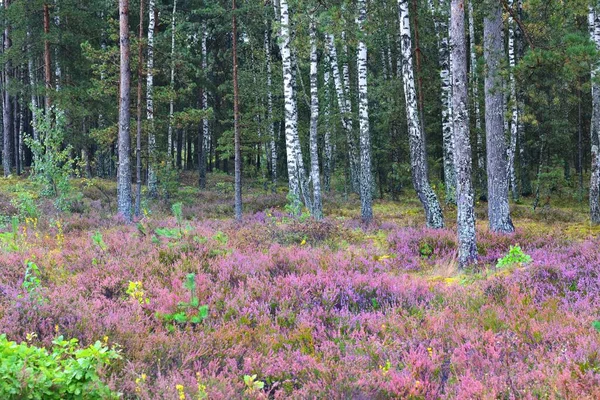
(67, 372)
(515, 256)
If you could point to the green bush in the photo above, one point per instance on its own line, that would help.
(67, 372)
(515, 256)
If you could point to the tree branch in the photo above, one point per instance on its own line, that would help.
(519, 23)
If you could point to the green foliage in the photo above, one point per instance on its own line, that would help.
(136, 291)
(187, 312)
(24, 202)
(99, 241)
(52, 161)
(32, 283)
(9, 239)
(295, 209)
(252, 384)
(515, 256)
(425, 249)
(67, 372)
(596, 326)
(168, 180)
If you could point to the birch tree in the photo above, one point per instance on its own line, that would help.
(498, 206)
(475, 101)
(152, 178)
(172, 85)
(467, 247)
(514, 106)
(203, 140)
(594, 28)
(317, 210)
(328, 153)
(7, 117)
(124, 172)
(418, 159)
(236, 119)
(366, 184)
(271, 128)
(441, 16)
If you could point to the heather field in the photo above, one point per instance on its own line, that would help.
(201, 307)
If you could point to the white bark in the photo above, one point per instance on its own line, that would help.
(418, 157)
(594, 27)
(57, 67)
(476, 109)
(172, 85)
(317, 210)
(32, 86)
(363, 116)
(271, 128)
(205, 145)
(152, 178)
(514, 106)
(328, 162)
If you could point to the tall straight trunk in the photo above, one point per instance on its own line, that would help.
(172, 86)
(352, 151)
(328, 162)
(17, 125)
(57, 67)
(498, 207)
(32, 86)
(418, 157)
(475, 100)
(203, 147)
(47, 59)
(124, 172)
(594, 26)
(152, 178)
(236, 122)
(19, 149)
(366, 179)
(7, 116)
(418, 54)
(315, 173)
(138, 150)
(467, 246)
(514, 104)
(441, 15)
(271, 127)
(295, 164)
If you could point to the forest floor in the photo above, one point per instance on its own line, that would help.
(279, 307)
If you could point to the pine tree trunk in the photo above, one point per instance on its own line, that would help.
(172, 86)
(514, 108)
(7, 116)
(441, 15)
(427, 196)
(315, 174)
(236, 122)
(124, 172)
(476, 109)
(594, 26)
(498, 206)
(366, 178)
(467, 247)
(152, 178)
(138, 150)
(203, 147)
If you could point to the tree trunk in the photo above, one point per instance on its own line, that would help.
(441, 15)
(7, 116)
(498, 207)
(271, 128)
(467, 247)
(352, 151)
(236, 122)
(57, 67)
(138, 150)
(124, 172)
(203, 147)
(32, 86)
(172, 86)
(514, 105)
(366, 178)
(328, 162)
(152, 178)
(594, 26)
(317, 210)
(476, 109)
(427, 196)
(47, 60)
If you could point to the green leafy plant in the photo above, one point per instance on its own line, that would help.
(596, 325)
(295, 209)
(425, 249)
(32, 283)
(136, 291)
(187, 312)
(64, 373)
(99, 241)
(25, 203)
(252, 384)
(515, 256)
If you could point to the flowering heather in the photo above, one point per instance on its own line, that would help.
(326, 310)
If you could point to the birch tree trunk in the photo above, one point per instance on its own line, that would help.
(7, 117)
(317, 210)
(152, 178)
(467, 246)
(295, 164)
(32, 87)
(594, 27)
(427, 196)
(271, 128)
(124, 172)
(236, 121)
(441, 15)
(203, 143)
(498, 207)
(366, 180)
(57, 67)
(172, 86)
(352, 151)
(514, 105)
(328, 162)
(47, 59)
(475, 100)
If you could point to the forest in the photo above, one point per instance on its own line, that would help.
(300, 199)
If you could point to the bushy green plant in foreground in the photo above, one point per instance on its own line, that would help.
(66, 372)
(515, 256)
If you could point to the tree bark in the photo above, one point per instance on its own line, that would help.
(236, 122)
(124, 172)
(172, 86)
(467, 246)
(152, 178)
(138, 150)
(514, 108)
(498, 206)
(32, 86)
(366, 178)
(427, 196)
(7, 116)
(328, 162)
(203, 147)
(271, 128)
(47, 59)
(594, 26)
(315, 174)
